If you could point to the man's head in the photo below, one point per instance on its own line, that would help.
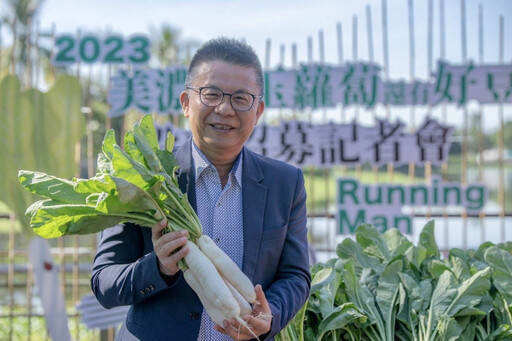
(230, 51)
(223, 98)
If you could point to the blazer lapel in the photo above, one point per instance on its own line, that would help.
(186, 172)
(254, 197)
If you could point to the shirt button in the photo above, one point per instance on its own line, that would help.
(217, 240)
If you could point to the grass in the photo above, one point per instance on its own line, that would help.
(34, 329)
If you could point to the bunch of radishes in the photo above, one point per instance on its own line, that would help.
(224, 290)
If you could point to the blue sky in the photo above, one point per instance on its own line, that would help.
(293, 21)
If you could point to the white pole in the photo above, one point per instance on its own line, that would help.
(354, 38)
(385, 48)
(340, 42)
(369, 32)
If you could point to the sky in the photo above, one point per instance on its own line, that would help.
(287, 22)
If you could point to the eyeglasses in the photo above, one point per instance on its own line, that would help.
(212, 97)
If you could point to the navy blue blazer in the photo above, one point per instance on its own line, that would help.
(125, 270)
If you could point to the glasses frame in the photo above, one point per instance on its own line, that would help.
(200, 89)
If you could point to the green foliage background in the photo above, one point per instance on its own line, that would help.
(39, 132)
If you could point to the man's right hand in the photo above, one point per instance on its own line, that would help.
(169, 247)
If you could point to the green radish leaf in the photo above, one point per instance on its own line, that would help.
(507, 246)
(169, 163)
(169, 142)
(321, 278)
(428, 240)
(152, 160)
(109, 141)
(96, 184)
(372, 242)
(52, 220)
(502, 311)
(104, 165)
(339, 318)
(349, 249)
(51, 187)
(130, 170)
(460, 268)
(362, 297)
(503, 332)
(443, 294)
(480, 252)
(501, 262)
(327, 294)
(418, 297)
(396, 242)
(131, 149)
(147, 128)
(470, 292)
(449, 329)
(130, 193)
(387, 294)
(436, 268)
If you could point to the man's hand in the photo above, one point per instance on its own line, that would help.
(167, 247)
(260, 320)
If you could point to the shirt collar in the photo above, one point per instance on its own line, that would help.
(202, 163)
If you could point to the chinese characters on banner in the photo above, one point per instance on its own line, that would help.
(147, 90)
(325, 145)
(323, 86)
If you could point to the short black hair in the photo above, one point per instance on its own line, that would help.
(230, 51)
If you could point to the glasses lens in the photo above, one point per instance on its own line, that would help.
(241, 101)
(211, 96)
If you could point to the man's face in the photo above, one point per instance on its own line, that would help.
(221, 130)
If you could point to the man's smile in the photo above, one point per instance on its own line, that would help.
(221, 126)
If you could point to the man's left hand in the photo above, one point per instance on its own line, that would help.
(259, 322)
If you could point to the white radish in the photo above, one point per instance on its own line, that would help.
(211, 282)
(228, 269)
(212, 287)
(215, 314)
(245, 307)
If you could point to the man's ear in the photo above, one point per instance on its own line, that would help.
(259, 111)
(185, 101)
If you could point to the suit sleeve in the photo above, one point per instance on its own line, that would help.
(125, 270)
(290, 290)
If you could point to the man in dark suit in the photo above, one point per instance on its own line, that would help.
(253, 207)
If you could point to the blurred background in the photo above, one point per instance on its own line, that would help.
(58, 92)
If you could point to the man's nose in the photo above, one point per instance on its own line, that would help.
(225, 107)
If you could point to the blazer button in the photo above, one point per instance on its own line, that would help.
(194, 315)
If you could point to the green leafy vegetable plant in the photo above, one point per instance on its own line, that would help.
(137, 184)
(383, 287)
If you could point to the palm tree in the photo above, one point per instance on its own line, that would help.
(167, 47)
(20, 16)
(165, 44)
